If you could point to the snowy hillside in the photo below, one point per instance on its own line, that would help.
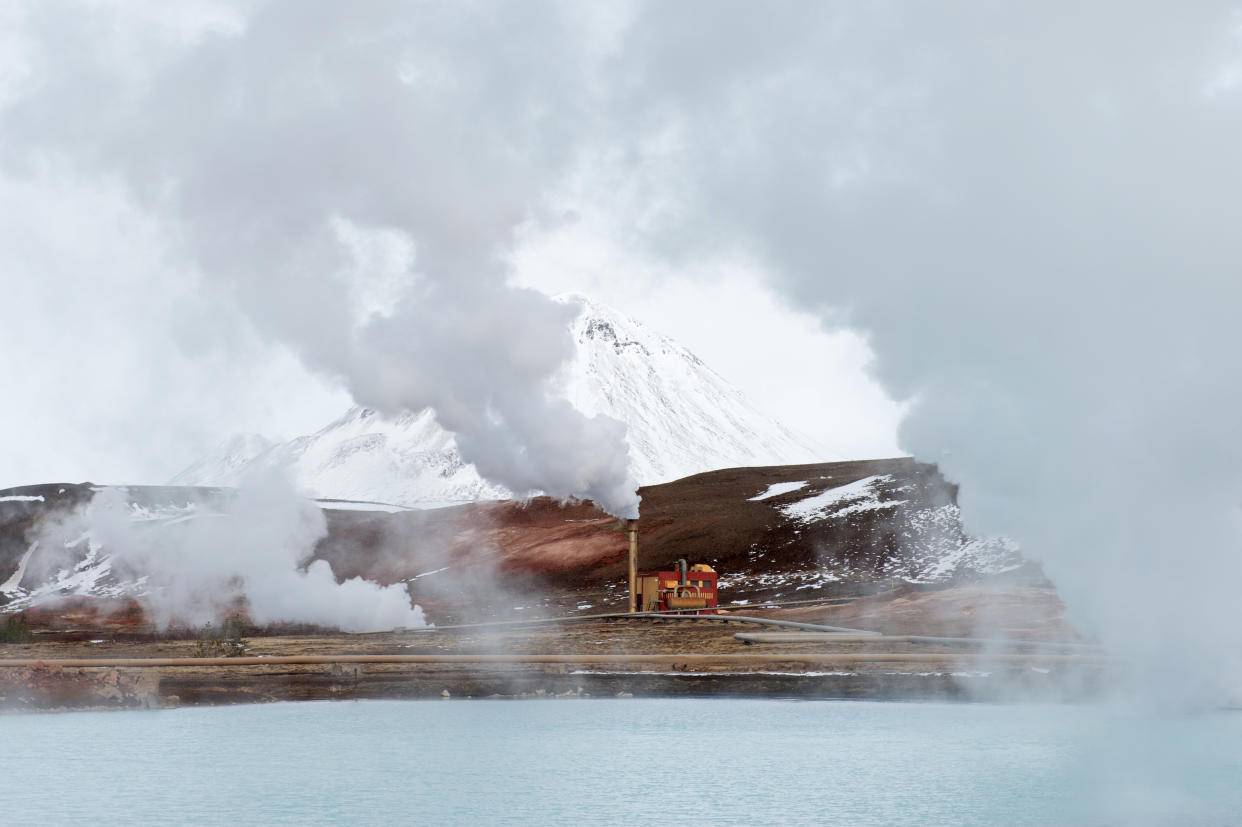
(409, 460)
(227, 460)
(683, 419)
(922, 532)
(791, 532)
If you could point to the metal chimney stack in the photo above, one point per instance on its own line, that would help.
(632, 527)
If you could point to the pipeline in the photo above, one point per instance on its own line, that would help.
(816, 637)
(792, 657)
(1033, 645)
(669, 614)
(813, 637)
(764, 621)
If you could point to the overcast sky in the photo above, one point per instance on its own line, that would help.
(121, 368)
(128, 360)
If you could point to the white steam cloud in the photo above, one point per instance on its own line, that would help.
(1029, 208)
(280, 155)
(199, 564)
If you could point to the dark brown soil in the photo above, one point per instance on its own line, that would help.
(548, 551)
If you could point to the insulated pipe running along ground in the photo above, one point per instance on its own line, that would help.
(672, 614)
(817, 637)
(765, 621)
(589, 658)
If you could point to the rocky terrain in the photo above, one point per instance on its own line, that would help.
(874, 545)
(782, 532)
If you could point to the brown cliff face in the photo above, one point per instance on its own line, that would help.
(707, 518)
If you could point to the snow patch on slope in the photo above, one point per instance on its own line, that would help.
(862, 495)
(778, 488)
(933, 545)
(13, 584)
(941, 549)
(91, 575)
(350, 505)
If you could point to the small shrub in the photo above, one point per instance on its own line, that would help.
(15, 630)
(229, 641)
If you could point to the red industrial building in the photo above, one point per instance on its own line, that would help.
(688, 589)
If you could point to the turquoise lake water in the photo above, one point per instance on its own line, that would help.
(622, 761)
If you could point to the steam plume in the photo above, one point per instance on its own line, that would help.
(1029, 208)
(1031, 211)
(284, 145)
(254, 546)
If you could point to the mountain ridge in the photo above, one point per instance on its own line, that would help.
(682, 418)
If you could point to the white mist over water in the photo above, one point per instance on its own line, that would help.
(493, 762)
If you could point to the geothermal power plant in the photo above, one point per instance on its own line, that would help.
(745, 581)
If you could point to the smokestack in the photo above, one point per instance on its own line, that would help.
(632, 527)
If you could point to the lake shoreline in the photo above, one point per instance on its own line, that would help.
(595, 659)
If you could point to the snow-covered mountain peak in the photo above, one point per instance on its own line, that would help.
(608, 328)
(599, 325)
(683, 418)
